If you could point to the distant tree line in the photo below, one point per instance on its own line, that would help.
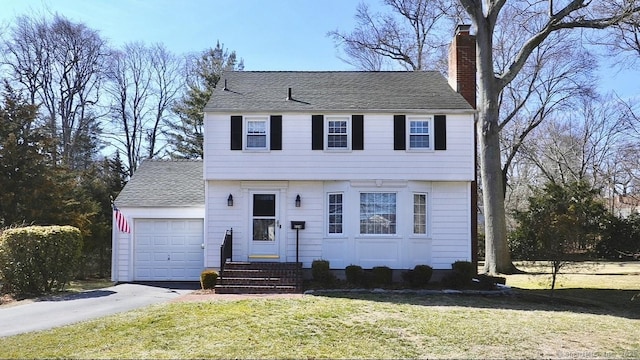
(78, 115)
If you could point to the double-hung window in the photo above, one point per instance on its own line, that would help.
(335, 213)
(420, 214)
(377, 213)
(256, 133)
(338, 137)
(419, 133)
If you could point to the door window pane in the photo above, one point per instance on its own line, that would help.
(264, 205)
(264, 229)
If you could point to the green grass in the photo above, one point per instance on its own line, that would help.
(364, 326)
(348, 325)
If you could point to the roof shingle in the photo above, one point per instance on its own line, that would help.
(242, 91)
(164, 183)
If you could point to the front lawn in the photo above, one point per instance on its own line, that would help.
(590, 316)
(353, 326)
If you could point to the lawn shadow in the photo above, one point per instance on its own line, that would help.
(614, 302)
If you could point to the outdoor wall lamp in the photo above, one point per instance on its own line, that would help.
(298, 200)
(230, 200)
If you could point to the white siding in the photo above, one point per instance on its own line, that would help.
(123, 244)
(378, 160)
(448, 210)
(451, 223)
(221, 217)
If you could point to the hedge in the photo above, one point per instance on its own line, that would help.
(39, 259)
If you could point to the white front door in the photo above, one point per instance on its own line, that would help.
(265, 227)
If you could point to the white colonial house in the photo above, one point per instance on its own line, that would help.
(373, 168)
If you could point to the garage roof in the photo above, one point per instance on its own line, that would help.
(164, 183)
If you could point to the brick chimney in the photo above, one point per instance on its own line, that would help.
(462, 64)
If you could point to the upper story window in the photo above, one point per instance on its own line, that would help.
(419, 133)
(337, 133)
(256, 134)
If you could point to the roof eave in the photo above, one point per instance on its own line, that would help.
(361, 111)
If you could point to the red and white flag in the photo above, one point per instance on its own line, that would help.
(121, 221)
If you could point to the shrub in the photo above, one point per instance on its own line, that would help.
(465, 267)
(354, 274)
(382, 275)
(460, 277)
(419, 276)
(208, 279)
(321, 272)
(39, 259)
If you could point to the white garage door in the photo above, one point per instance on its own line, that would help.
(168, 249)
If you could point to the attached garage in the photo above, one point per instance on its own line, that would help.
(168, 249)
(163, 204)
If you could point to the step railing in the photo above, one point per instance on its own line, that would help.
(226, 249)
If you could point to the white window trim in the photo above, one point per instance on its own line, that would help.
(245, 133)
(411, 118)
(329, 118)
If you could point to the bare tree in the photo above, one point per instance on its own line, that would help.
(143, 83)
(167, 80)
(555, 75)
(579, 146)
(410, 35)
(544, 24)
(59, 63)
(129, 88)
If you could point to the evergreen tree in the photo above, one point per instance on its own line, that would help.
(102, 182)
(24, 175)
(203, 73)
(564, 221)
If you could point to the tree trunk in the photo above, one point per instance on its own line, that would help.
(497, 255)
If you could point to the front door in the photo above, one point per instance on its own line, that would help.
(265, 227)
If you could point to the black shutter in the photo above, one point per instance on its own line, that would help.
(317, 132)
(440, 132)
(357, 127)
(236, 132)
(399, 132)
(276, 132)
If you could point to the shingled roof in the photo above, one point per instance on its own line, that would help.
(164, 183)
(242, 91)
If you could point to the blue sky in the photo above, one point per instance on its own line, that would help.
(267, 34)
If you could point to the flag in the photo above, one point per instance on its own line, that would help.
(121, 221)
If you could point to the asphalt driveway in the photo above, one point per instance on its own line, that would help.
(50, 312)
